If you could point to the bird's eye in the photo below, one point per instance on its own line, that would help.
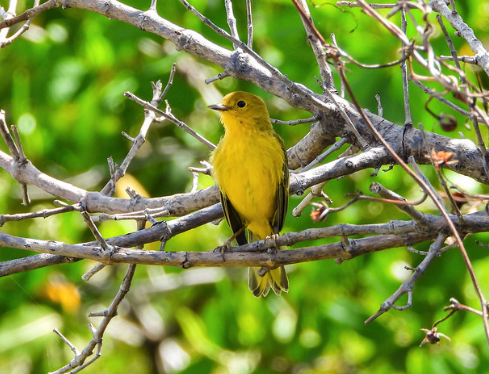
(241, 104)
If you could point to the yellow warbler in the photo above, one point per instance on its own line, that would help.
(250, 168)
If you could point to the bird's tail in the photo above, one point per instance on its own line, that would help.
(260, 283)
(274, 278)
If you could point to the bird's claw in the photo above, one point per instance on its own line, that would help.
(273, 238)
(223, 248)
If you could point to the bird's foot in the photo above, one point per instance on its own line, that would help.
(273, 238)
(223, 248)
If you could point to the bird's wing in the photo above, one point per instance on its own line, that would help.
(233, 218)
(282, 194)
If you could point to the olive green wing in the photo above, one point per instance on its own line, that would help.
(282, 193)
(233, 219)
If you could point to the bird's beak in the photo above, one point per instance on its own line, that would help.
(220, 107)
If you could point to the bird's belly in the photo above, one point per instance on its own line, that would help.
(252, 195)
(249, 180)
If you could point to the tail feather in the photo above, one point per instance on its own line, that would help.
(280, 281)
(275, 279)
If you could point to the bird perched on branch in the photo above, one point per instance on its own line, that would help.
(250, 168)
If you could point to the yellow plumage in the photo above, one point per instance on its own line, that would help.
(250, 168)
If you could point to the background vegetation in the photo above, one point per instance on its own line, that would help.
(62, 83)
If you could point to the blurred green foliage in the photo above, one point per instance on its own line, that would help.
(63, 84)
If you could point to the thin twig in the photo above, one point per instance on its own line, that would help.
(317, 43)
(456, 306)
(354, 4)
(294, 122)
(363, 143)
(316, 191)
(137, 215)
(78, 362)
(40, 214)
(4, 41)
(171, 118)
(168, 84)
(440, 177)
(228, 4)
(337, 145)
(12, 147)
(380, 109)
(89, 274)
(30, 13)
(405, 88)
(68, 343)
(417, 178)
(465, 59)
(464, 31)
(407, 286)
(440, 98)
(95, 231)
(249, 23)
(195, 181)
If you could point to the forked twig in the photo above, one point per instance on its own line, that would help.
(407, 286)
(171, 118)
(78, 363)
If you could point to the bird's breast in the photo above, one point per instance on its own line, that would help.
(248, 171)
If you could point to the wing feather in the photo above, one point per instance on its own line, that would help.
(233, 218)
(282, 195)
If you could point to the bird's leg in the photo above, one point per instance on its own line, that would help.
(227, 243)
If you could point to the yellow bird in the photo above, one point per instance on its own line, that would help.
(250, 168)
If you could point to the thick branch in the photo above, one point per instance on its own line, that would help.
(185, 259)
(406, 234)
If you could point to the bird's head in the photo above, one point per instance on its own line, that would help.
(243, 107)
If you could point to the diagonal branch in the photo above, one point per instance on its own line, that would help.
(407, 286)
(78, 363)
(464, 31)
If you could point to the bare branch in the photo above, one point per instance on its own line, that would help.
(30, 13)
(78, 363)
(393, 234)
(416, 215)
(407, 109)
(171, 118)
(294, 122)
(317, 43)
(354, 4)
(249, 23)
(407, 286)
(373, 141)
(464, 31)
(231, 20)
